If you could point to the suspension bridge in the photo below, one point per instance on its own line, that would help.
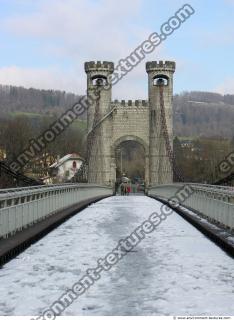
(181, 235)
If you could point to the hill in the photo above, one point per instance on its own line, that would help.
(206, 114)
(20, 100)
(196, 113)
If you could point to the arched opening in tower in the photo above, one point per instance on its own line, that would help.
(160, 80)
(130, 161)
(99, 80)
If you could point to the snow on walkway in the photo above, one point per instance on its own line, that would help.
(175, 270)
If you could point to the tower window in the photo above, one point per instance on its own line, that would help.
(160, 80)
(99, 80)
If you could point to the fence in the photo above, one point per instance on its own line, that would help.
(215, 203)
(22, 207)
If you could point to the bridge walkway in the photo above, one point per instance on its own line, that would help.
(174, 270)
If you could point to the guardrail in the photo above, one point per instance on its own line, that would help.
(11, 190)
(22, 207)
(215, 203)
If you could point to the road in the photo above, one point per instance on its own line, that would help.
(175, 270)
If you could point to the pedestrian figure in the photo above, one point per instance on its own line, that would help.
(128, 189)
(125, 189)
(122, 189)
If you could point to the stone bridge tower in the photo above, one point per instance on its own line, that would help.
(99, 145)
(160, 75)
(112, 122)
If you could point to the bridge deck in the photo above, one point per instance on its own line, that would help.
(174, 270)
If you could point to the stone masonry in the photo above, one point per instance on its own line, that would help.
(113, 122)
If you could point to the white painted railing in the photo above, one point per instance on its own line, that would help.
(214, 202)
(22, 207)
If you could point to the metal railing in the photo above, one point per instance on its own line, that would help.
(22, 207)
(215, 203)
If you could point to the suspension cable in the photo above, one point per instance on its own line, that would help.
(176, 171)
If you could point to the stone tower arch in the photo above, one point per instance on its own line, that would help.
(141, 142)
(113, 122)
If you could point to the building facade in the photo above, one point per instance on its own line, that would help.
(65, 168)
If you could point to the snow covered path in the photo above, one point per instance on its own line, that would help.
(174, 270)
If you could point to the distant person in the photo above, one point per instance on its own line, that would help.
(116, 187)
(134, 187)
(128, 189)
(122, 189)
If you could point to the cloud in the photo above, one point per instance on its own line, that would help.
(223, 37)
(76, 31)
(79, 27)
(229, 2)
(49, 78)
(226, 87)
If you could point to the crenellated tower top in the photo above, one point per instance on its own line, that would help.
(99, 66)
(160, 66)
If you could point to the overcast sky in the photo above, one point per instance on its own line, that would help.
(44, 43)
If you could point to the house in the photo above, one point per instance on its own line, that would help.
(65, 168)
(186, 144)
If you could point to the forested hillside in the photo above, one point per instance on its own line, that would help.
(196, 113)
(19, 99)
(203, 114)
